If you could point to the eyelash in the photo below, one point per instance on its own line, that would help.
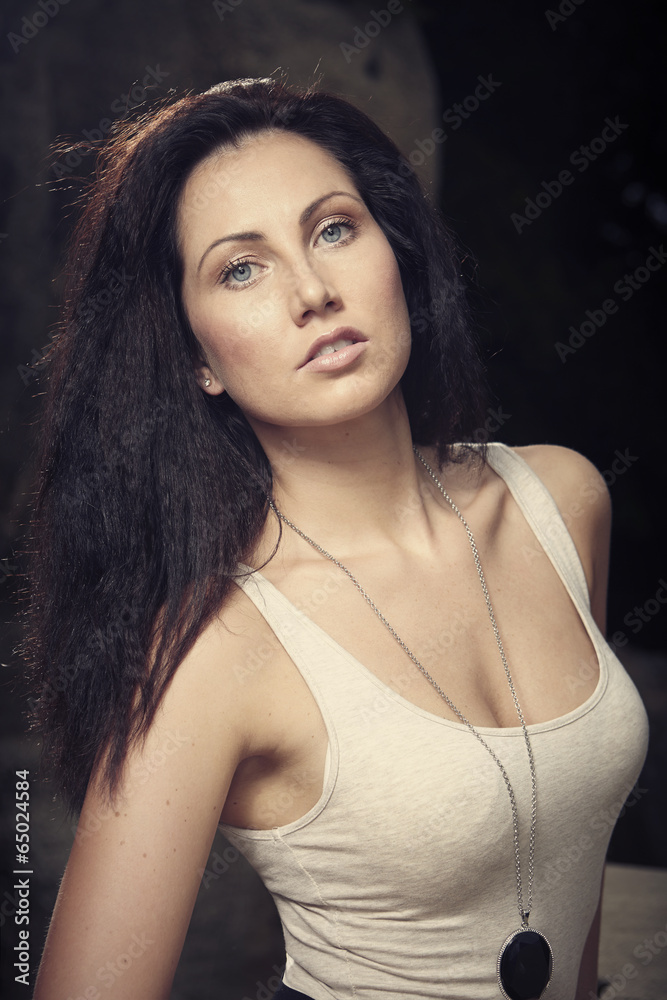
(240, 261)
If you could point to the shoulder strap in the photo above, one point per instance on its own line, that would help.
(285, 619)
(544, 518)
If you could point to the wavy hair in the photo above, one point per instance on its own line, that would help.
(151, 491)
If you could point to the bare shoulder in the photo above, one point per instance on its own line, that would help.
(236, 664)
(570, 478)
(582, 497)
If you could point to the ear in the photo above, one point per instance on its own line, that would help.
(207, 381)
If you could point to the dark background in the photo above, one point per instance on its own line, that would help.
(560, 77)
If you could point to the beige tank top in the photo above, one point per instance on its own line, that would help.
(400, 881)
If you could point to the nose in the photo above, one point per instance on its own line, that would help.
(314, 292)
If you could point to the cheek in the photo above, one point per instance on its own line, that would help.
(230, 346)
(249, 329)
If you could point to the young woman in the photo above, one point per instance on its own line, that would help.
(274, 588)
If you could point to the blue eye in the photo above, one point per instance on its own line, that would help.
(339, 232)
(332, 233)
(241, 272)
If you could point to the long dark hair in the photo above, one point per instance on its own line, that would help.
(151, 492)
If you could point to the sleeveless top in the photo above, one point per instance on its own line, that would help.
(400, 882)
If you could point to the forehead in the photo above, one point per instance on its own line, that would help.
(273, 174)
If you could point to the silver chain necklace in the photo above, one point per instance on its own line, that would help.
(525, 961)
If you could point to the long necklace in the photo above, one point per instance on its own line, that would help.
(525, 961)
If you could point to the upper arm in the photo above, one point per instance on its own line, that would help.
(132, 878)
(582, 497)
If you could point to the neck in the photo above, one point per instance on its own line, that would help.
(351, 484)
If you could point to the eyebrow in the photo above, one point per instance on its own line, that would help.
(303, 218)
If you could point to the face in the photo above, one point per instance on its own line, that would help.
(290, 286)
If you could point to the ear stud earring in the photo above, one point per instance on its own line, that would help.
(207, 382)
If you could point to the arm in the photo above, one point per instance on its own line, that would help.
(132, 878)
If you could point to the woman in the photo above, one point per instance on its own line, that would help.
(235, 535)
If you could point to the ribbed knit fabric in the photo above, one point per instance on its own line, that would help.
(400, 881)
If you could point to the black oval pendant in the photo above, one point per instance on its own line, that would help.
(525, 965)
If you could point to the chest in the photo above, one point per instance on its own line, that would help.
(438, 610)
(436, 605)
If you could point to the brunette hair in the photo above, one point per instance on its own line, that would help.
(151, 491)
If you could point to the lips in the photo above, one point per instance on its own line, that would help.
(337, 340)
